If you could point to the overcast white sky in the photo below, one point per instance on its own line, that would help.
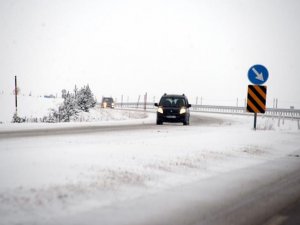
(198, 47)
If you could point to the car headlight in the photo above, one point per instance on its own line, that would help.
(182, 110)
(160, 110)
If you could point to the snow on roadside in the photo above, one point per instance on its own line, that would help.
(28, 106)
(97, 114)
(263, 122)
(38, 107)
(69, 174)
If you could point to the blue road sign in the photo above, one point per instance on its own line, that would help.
(258, 74)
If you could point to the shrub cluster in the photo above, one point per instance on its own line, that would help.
(80, 100)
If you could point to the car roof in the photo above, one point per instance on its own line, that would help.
(174, 95)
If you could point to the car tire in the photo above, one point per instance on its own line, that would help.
(186, 122)
(159, 122)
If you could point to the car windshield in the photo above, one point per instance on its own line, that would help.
(172, 102)
(107, 100)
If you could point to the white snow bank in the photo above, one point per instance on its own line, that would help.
(263, 123)
(115, 118)
(97, 114)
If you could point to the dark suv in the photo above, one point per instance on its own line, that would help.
(174, 109)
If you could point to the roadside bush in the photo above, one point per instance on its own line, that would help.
(17, 119)
(73, 103)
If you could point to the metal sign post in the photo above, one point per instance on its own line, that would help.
(255, 116)
(256, 100)
(257, 93)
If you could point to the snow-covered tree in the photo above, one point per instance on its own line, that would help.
(80, 100)
(85, 99)
(68, 109)
(75, 92)
(63, 93)
(53, 116)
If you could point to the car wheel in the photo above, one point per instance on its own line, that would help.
(186, 122)
(159, 122)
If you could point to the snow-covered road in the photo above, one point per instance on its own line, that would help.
(245, 196)
(56, 178)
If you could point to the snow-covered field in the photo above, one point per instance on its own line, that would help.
(47, 177)
(28, 106)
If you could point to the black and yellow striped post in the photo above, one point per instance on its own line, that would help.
(256, 100)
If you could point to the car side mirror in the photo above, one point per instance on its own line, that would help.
(155, 104)
(189, 105)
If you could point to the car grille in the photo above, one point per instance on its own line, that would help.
(171, 111)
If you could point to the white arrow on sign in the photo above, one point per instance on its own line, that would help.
(259, 76)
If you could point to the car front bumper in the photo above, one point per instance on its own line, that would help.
(171, 118)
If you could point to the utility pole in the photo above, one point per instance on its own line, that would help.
(145, 101)
(16, 94)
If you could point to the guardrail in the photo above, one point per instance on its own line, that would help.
(277, 112)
